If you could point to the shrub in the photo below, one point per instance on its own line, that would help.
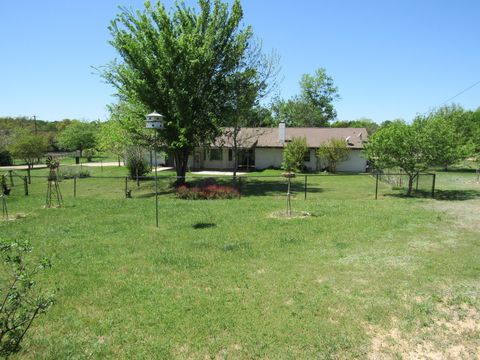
(89, 154)
(5, 158)
(137, 163)
(208, 192)
(21, 301)
(70, 173)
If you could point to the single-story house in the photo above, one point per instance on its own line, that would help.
(262, 148)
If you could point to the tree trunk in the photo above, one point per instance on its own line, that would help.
(181, 163)
(29, 167)
(411, 177)
(81, 152)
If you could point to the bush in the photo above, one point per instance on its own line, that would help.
(5, 158)
(207, 192)
(89, 154)
(137, 163)
(22, 301)
(70, 173)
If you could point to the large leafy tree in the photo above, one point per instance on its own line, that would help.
(442, 128)
(368, 124)
(401, 145)
(313, 107)
(78, 136)
(181, 64)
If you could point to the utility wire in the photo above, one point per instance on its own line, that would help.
(460, 93)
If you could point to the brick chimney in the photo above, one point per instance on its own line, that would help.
(281, 132)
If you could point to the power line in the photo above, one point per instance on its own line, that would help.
(460, 93)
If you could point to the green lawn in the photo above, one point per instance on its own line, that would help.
(359, 278)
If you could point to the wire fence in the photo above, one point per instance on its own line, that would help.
(303, 186)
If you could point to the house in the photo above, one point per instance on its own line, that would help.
(262, 148)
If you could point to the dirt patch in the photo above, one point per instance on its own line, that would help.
(465, 214)
(453, 334)
(293, 215)
(13, 217)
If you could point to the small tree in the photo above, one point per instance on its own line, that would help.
(21, 302)
(294, 154)
(78, 136)
(29, 148)
(333, 152)
(137, 163)
(400, 145)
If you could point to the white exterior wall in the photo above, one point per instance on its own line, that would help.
(312, 164)
(268, 157)
(355, 162)
(217, 164)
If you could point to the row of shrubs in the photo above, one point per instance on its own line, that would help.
(208, 192)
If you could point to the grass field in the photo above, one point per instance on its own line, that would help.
(359, 278)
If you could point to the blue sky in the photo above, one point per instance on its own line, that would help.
(390, 59)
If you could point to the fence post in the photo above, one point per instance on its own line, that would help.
(239, 187)
(25, 184)
(376, 186)
(433, 185)
(305, 188)
(11, 178)
(74, 186)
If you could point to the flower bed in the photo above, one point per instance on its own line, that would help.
(207, 192)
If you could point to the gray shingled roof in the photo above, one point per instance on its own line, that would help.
(268, 137)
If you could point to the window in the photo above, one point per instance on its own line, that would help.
(306, 156)
(230, 155)
(216, 154)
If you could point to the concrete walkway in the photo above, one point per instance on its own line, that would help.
(99, 164)
(218, 173)
(21, 167)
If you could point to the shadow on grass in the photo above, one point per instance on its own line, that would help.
(152, 194)
(441, 195)
(203, 225)
(275, 187)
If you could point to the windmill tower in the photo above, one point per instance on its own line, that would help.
(53, 189)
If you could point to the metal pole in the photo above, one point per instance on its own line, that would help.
(74, 186)
(305, 187)
(25, 184)
(433, 185)
(376, 187)
(156, 184)
(239, 187)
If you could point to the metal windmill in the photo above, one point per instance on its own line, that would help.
(53, 187)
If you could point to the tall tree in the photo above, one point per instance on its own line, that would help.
(78, 136)
(368, 124)
(180, 64)
(313, 107)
